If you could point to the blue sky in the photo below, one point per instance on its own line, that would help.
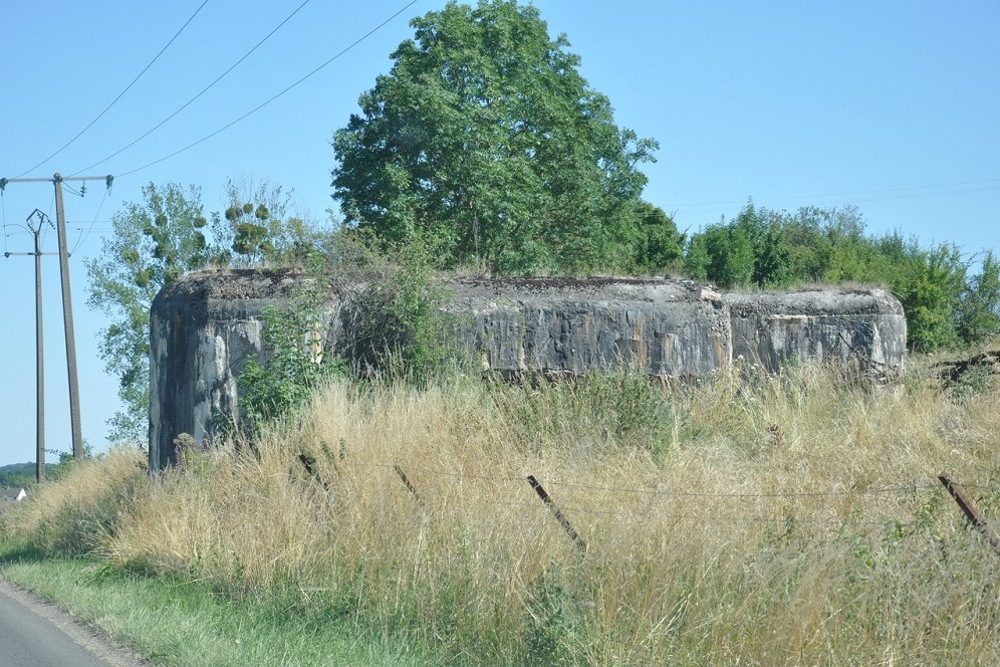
(888, 105)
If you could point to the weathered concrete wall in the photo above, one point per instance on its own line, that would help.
(665, 328)
(864, 326)
(203, 329)
(206, 326)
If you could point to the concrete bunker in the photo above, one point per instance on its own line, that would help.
(205, 326)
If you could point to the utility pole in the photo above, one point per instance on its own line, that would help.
(74, 387)
(36, 232)
(74, 390)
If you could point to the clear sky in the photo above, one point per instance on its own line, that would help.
(889, 105)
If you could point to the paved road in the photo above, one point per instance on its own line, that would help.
(36, 634)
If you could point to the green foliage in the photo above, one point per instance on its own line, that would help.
(979, 306)
(259, 227)
(297, 360)
(659, 246)
(765, 249)
(551, 621)
(390, 322)
(158, 240)
(56, 470)
(486, 144)
(17, 475)
(721, 254)
(753, 249)
(251, 241)
(393, 326)
(930, 296)
(154, 242)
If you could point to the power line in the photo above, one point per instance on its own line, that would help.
(120, 95)
(203, 91)
(83, 238)
(71, 367)
(264, 104)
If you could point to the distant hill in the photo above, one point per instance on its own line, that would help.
(17, 474)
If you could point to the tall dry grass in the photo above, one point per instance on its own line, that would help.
(770, 520)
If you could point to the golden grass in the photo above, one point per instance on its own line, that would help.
(785, 520)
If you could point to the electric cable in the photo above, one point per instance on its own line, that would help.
(203, 91)
(120, 95)
(80, 241)
(273, 98)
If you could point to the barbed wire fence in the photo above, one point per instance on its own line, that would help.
(567, 505)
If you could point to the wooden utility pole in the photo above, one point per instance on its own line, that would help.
(39, 355)
(67, 300)
(36, 232)
(74, 390)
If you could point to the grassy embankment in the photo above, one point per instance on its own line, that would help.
(787, 520)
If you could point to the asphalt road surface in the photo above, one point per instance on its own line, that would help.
(36, 634)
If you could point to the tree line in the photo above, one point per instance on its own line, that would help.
(947, 303)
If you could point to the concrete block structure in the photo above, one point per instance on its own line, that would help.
(205, 326)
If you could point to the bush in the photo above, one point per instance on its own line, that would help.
(297, 360)
(392, 326)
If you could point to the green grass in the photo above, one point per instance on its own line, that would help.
(174, 621)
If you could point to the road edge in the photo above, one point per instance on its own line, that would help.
(79, 632)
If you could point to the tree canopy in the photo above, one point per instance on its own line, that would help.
(486, 143)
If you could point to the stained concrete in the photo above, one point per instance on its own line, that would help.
(203, 330)
(662, 328)
(205, 326)
(866, 327)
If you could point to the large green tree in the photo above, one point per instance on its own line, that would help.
(486, 143)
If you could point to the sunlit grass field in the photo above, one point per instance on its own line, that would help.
(795, 519)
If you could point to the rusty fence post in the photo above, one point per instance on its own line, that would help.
(409, 487)
(309, 463)
(563, 521)
(972, 513)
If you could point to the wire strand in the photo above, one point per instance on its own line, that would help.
(894, 489)
(85, 236)
(203, 91)
(120, 95)
(272, 99)
(783, 494)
